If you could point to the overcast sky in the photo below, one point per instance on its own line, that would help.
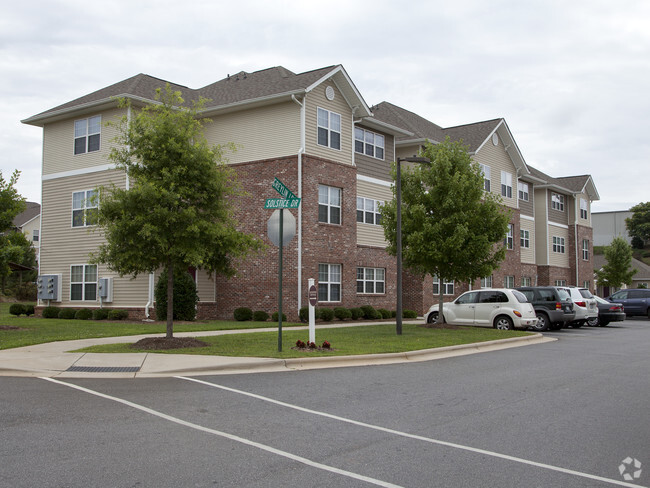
(571, 79)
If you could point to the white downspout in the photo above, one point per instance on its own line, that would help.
(150, 296)
(301, 151)
(575, 224)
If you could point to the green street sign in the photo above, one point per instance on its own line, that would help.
(274, 203)
(282, 189)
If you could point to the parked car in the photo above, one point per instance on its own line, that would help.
(584, 305)
(636, 301)
(553, 306)
(501, 308)
(607, 312)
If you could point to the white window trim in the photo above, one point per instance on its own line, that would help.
(506, 184)
(523, 191)
(447, 287)
(329, 283)
(83, 283)
(584, 209)
(524, 238)
(329, 128)
(509, 280)
(557, 202)
(84, 208)
(510, 237)
(486, 282)
(487, 181)
(330, 205)
(376, 213)
(558, 245)
(87, 135)
(585, 249)
(374, 281)
(374, 145)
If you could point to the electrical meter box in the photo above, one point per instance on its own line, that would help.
(105, 289)
(48, 287)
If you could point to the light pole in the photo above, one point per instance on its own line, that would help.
(398, 183)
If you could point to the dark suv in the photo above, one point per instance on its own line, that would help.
(553, 306)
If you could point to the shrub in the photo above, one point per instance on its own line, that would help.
(356, 313)
(312, 345)
(300, 344)
(118, 314)
(370, 313)
(260, 316)
(26, 292)
(327, 345)
(29, 310)
(326, 314)
(67, 313)
(243, 314)
(185, 296)
(100, 314)
(17, 309)
(393, 314)
(83, 314)
(385, 314)
(303, 314)
(276, 316)
(51, 313)
(342, 313)
(410, 314)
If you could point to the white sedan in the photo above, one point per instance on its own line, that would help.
(501, 308)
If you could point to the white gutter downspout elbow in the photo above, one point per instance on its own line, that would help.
(150, 302)
(301, 151)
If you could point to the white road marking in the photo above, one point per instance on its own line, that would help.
(235, 438)
(420, 438)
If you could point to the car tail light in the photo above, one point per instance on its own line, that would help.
(616, 308)
(517, 313)
(558, 306)
(581, 304)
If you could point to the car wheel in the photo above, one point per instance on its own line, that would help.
(542, 322)
(593, 322)
(503, 323)
(577, 325)
(604, 323)
(432, 318)
(557, 325)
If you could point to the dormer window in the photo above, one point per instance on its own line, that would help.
(87, 134)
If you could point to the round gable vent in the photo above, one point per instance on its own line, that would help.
(329, 93)
(495, 139)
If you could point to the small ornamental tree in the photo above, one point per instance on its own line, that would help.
(176, 212)
(618, 269)
(451, 228)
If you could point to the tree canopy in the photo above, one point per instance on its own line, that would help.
(618, 269)
(11, 203)
(176, 212)
(451, 227)
(638, 225)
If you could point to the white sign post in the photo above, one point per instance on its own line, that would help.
(313, 300)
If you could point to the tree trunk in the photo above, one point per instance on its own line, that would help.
(170, 300)
(441, 300)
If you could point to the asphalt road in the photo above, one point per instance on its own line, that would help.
(559, 414)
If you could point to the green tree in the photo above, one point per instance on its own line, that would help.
(11, 203)
(14, 247)
(451, 228)
(638, 225)
(618, 269)
(176, 213)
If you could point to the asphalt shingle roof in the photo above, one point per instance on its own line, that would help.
(32, 210)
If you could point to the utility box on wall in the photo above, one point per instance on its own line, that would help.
(48, 287)
(105, 289)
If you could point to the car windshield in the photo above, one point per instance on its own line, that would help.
(521, 298)
(585, 293)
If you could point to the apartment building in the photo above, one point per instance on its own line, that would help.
(314, 132)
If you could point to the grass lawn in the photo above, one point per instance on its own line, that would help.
(26, 331)
(345, 341)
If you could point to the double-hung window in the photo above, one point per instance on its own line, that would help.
(329, 282)
(371, 280)
(329, 204)
(486, 176)
(523, 191)
(557, 202)
(447, 287)
(558, 244)
(506, 184)
(524, 240)
(368, 211)
(84, 208)
(584, 214)
(526, 281)
(585, 249)
(36, 235)
(509, 281)
(368, 143)
(83, 282)
(329, 129)
(509, 241)
(486, 282)
(87, 134)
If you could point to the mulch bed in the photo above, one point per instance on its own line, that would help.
(440, 326)
(158, 343)
(9, 327)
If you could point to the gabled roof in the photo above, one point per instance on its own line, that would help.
(642, 269)
(568, 184)
(31, 211)
(232, 91)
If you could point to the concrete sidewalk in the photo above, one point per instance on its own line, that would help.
(54, 360)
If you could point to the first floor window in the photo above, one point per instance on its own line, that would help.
(329, 129)
(509, 240)
(509, 282)
(558, 244)
(447, 287)
(329, 204)
(523, 191)
(560, 282)
(87, 134)
(526, 281)
(585, 249)
(368, 211)
(83, 282)
(524, 238)
(585, 284)
(371, 280)
(506, 184)
(329, 282)
(84, 208)
(486, 282)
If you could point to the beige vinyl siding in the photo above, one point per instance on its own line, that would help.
(498, 160)
(527, 207)
(528, 254)
(259, 133)
(58, 144)
(541, 227)
(63, 246)
(558, 259)
(315, 99)
(369, 234)
(373, 167)
(557, 216)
